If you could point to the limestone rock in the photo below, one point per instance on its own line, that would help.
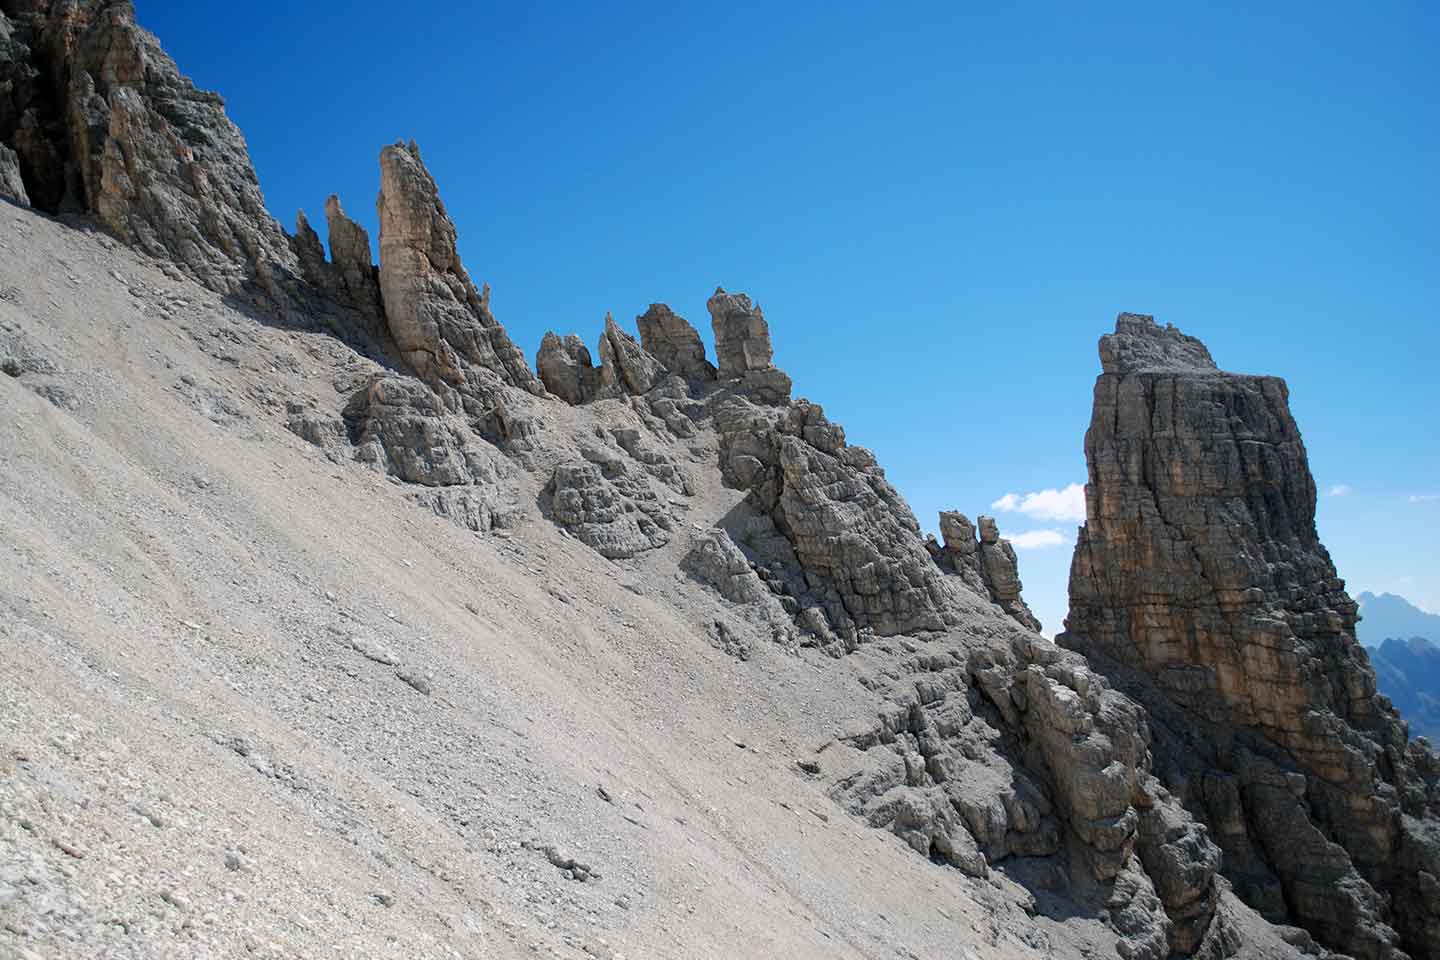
(358, 279)
(440, 321)
(102, 121)
(670, 339)
(1199, 583)
(855, 539)
(12, 184)
(716, 560)
(607, 507)
(565, 368)
(989, 566)
(1139, 343)
(625, 367)
(401, 427)
(742, 346)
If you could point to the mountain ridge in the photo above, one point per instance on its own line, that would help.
(712, 529)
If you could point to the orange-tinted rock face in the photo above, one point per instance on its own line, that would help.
(1200, 581)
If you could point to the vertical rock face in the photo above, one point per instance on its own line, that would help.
(102, 121)
(742, 346)
(1201, 584)
(440, 321)
(357, 279)
(670, 339)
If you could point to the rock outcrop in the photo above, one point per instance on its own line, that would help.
(1200, 585)
(402, 428)
(742, 347)
(102, 121)
(670, 339)
(988, 566)
(625, 367)
(862, 561)
(608, 506)
(441, 323)
(565, 368)
(12, 184)
(356, 278)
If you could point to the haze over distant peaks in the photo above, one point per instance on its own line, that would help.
(1387, 615)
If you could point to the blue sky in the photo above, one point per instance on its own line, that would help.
(940, 206)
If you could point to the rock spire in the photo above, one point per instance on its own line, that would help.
(441, 323)
(1200, 585)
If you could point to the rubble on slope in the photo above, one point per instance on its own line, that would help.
(1200, 586)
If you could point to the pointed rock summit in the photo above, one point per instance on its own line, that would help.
(1199, 584)
(742, 346)
(440, 321)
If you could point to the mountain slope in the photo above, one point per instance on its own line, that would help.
(1408, 672)
(333, 623)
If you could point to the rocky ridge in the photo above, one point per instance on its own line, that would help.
(986, 748)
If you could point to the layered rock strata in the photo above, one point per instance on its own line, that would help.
(742, 347)
(1199, 583)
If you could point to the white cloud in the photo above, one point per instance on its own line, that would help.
(1340, 490)
(1066, 504)
(1036, 539)
(1424, 497)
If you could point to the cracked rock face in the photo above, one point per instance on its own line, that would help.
(864, 562)
(988, 566)
(440, 321)
(742, 347)
(670, 339)
(565, 367)
(608, 508)
(12, 184)
(1200, 583)
(101, 121)
(625, 367)
(401, 427)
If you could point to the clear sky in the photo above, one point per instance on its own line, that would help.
(940, 207)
